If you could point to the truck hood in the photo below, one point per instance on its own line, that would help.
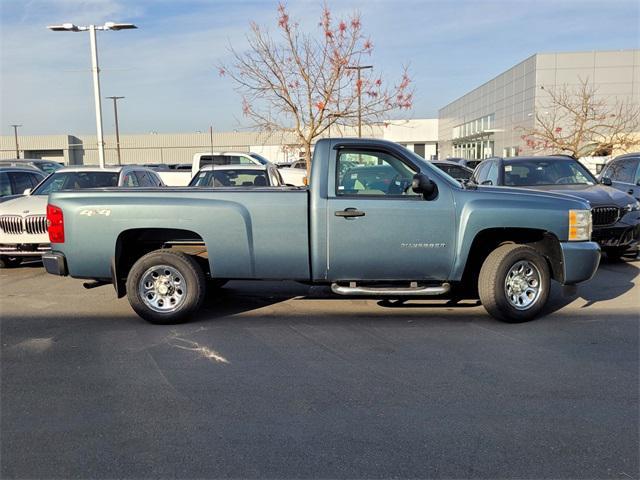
(596, 195)
(26, 205)
(519, 191)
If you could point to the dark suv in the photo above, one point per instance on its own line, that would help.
(615, 214)
(623, 173)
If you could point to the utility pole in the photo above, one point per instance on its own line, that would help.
(358, 68)
(15, 136)
(211, 141)
(115, 114)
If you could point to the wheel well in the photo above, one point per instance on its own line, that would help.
(135, 243)
(546, 243)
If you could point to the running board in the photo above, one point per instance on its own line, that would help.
(413, 290)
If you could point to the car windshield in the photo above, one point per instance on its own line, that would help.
(259, 158)
(76, 181)
(518, 173)
(231, 178)
(458, 173)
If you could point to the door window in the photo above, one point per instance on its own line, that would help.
(21, 181)
(130, 180)
(35, 179)
(492, 174)
(480, 174)
(143, 179)
(623, 170)
(5, 184)
(372, 173)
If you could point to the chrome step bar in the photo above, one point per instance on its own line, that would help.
(412, 290)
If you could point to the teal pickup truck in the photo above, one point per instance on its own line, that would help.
(376, 220)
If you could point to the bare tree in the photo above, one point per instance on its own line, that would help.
(301, 83)
(582, 123)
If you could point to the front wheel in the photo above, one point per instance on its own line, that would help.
(165, 287)
(514, 283)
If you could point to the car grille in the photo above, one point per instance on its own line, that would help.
(17, 225)
(605, 216)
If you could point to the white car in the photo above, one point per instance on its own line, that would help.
(218, 176)
(290, 176)
(23, 221)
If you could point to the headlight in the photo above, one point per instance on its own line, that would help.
(632, 207)
(579, 225)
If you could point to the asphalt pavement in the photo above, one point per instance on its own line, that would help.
(279, 380)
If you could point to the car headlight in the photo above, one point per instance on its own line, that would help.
(579, 225)
(632, 207)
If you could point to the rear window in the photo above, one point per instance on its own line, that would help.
(546, 172)
(224, 160)
(76, 181)
(231, 178)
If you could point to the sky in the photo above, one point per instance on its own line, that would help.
(167, 68)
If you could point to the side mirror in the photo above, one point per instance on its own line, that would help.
(638, 183)
(605, 181)
(487, 182)
(424, 185)
(27, 191)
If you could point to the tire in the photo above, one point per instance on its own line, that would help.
(165, 287)
(522, 298)
(9, 262)
(615, 253)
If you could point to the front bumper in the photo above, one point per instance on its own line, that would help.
(616, 236)
(24, 249)
(580, 261)
(55, 263)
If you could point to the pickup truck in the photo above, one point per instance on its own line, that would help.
(376, 220)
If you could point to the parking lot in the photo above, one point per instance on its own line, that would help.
(269, 381)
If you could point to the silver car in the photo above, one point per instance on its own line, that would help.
(23, 222)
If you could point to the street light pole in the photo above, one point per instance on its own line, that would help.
(15, 136)
(115, 114)
(358, 68)
(70, 27)
(96, 93)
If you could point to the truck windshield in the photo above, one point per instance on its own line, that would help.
(231, 178)
(76, 181)
(518, 173)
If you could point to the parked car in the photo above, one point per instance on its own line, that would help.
(291, 174)
(616, 215)
(46, 166)
(465, 162)
(23, 224)
(237, 176)
(457, 171)
(623, 173)
(416, 232)
(15, 180)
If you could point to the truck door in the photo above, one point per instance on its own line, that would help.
(377, 228)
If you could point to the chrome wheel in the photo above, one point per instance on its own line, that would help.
(162, 288)
(522, 285)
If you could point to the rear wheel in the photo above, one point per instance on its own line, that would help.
(165, 287)
(9, 262)
(514, 283)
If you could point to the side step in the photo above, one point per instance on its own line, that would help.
(412, 290)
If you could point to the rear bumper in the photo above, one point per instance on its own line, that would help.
(580, 261)
(24, 249)
(55, 263)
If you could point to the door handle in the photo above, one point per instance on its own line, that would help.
(630, 191)
(349, 212)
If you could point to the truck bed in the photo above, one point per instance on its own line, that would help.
(248, 233)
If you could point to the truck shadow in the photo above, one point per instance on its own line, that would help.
(612, 280)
